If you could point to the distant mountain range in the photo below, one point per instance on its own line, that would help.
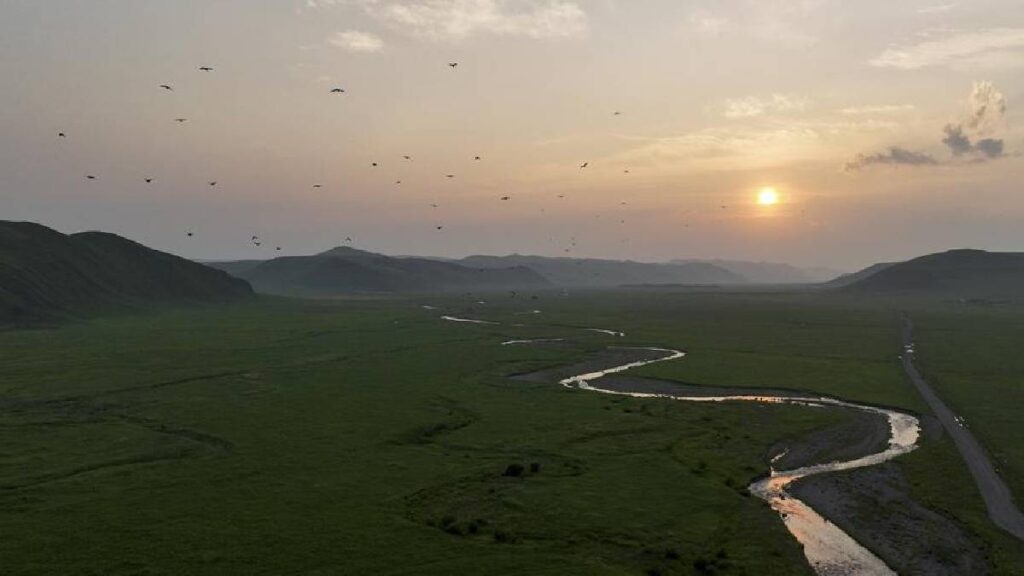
(596, 273)
(44, 273)
(771, 272)
(347, 270)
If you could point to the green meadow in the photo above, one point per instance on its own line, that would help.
(368, 436)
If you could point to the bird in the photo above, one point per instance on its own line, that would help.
(625, 171)
(180, 120)
(61, 135)
(617, 113)
(440, 227)
(584, 165)
(189, 234)
(348, 238)
(398, 181)
(317, 186)
(451, 175)
(561, 195)
(337, 91)
(206, 69)
(453, 65)
(90, 177)
(506, 197)
(166, 87)
(433, 205)
(149, 180)
(278, 248)
(374, 164)
(476, 157)
(407, 157)
(213, 183)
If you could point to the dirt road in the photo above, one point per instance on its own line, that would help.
(998, 499)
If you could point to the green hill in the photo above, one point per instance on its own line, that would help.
(956, 273)
(44, 273)
(347, 270)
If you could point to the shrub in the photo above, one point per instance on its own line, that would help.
(514, 470)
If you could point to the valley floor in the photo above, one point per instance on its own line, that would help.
(369, 436)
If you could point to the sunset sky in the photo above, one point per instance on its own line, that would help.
(887, 129)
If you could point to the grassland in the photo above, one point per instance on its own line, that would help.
(367, 436)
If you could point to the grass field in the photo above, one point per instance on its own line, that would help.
(368, 436)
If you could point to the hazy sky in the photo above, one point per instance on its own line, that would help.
(888, 128)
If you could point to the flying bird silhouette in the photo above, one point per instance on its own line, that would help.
(61, 135)
(617, 113)
(166, 87)
(398, 181)
(148, 180)
(407, 157)
(206, 69)
(373, 164)
(213, 183)
(440, 227)
(90, 177)
(337, 91)
(476, 157)
(189, 234)
(317, 186)
(453, 64)
(506, 197)
(180, 120)
(584, 165)
(451, 175)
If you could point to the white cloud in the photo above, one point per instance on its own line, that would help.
(996, 47)
(708, 24)
(785, 22)
(937, 9)
(753, 106)
(356, 41)
(877, 109)
(454, 20)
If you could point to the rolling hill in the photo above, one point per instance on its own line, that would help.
(45, 273)
(597, 273)
(347, 270)
(956, 273)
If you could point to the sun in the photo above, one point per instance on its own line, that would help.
(767, 197)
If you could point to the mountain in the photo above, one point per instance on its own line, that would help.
(347, 270)
(45, 273)
(595, 273)
(853, 277)
(957, 273)
(770, 272)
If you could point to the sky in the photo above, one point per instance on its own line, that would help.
(887, 129)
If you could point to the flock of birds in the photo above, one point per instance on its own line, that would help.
(256, 241)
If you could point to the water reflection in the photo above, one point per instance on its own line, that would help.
(829, 549)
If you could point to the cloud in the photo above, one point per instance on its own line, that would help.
(955, 140)
(893, 156)
(356, 41)
(455, 20)
(986, 107)
(877, 110)
(996, 47)
(753, 106)
(784, 22)
(937, 9)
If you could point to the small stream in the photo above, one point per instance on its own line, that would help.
(829, 550)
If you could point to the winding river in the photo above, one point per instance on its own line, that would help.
(829, 550)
